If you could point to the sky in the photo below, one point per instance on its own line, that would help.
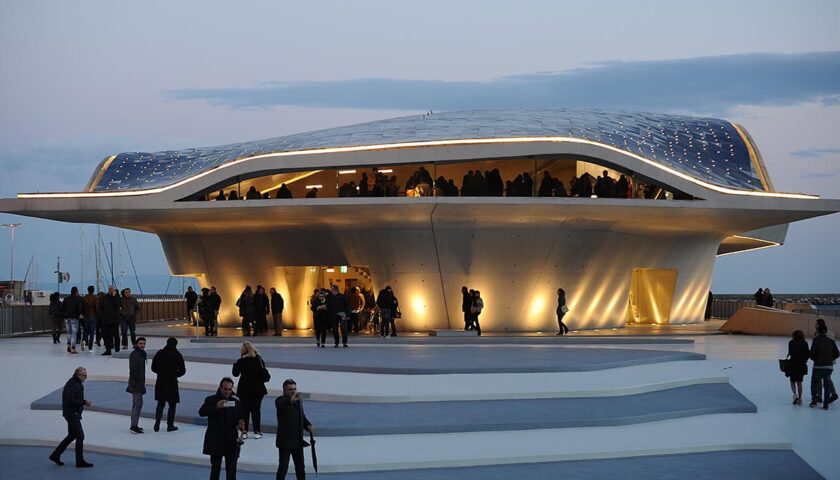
(82, 80)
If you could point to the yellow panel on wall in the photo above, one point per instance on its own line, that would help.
(651, 295)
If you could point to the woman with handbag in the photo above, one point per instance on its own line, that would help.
(562, 309)
(798, 364)
(251, 389)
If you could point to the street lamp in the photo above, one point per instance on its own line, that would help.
(12, 227)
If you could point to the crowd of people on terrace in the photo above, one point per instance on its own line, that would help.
(475, 183)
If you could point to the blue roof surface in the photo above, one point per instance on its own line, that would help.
(708, 149)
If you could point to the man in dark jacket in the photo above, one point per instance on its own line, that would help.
(137, 382)
(823, 353)
(91, 312)
(291, 422)
(318, 305)
(207, 312)
(129, 311)
(338, 311)
(216, 299)
(221, 440)
(192, 299)
(168, 364)
(109, 309)
(385, 302)
(466, 304)
(72, 309)
(73, 404)
(277, 305)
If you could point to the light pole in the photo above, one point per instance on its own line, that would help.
(12, 227)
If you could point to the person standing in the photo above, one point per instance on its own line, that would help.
(562, 309)
(90, 303)
(318, 305)
(768, 298)
(129, 311)
(798, 367)
(291, 422)
(206, 311)
(385, 302)
(221, 440)
(137, 382)
(466, 304)
(338, 310)
(192, 299)
(261, 309)
(277, 305)
(823, 353)
(477, 307)
(73, 403)
(217, 304)
(56, 317)
(357, 303)
(72, 310)
(759, 298)
(168, 364)
(109, 310)
(251, 388)
(246, 310)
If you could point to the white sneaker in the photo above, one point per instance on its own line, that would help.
(257, 435)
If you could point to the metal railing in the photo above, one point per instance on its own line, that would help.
(35, 319)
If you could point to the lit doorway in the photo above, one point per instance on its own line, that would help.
(651, 295)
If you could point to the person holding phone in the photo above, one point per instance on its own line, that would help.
(224, 422)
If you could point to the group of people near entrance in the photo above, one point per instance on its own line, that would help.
(340, 312)
(823, 352)
(95, 317)
(254, 308)
(227, 411)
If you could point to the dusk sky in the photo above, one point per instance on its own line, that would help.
(83, 80)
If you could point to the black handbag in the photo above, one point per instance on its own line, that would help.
(266, 375)
(784, 366)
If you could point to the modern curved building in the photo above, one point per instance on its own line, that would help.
(693, 189)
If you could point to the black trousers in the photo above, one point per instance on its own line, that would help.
(74, 432)
(111, 334)
(320, 330)
(563, 328)
(297, 457)
(251, 407)
(170, 414)
(230, 465)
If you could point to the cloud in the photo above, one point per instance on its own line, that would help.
(703, 84)
(816, 152)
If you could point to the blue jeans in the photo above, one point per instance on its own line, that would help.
(72, 325)
(384, 321)
(90, 329)
(821, 375)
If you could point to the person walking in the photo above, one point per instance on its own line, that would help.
(221, 440)
(73, 403)
(251, 388)
(291, 422)
(72, 309)
(823, 353)
(562, 309)
(277, 305)
(246, 310)
(129, 311)
(385, 302)
(476, 309)
(56, 317)
(466, 304)
(168, 364)
(90, 302)
(191, 298)
(338, 311)
(137, 382)
(109, 309)
(318, 305)
(798, 366)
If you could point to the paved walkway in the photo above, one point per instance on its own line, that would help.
(29, 463)
(347, 419)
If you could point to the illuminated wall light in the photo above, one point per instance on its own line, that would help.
(386, 170)
(418, 306)
(330, 270)
(342, 269)
(314, 186)
(346, 172)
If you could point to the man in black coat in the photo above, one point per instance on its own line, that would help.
(338, 311)
(466, 304)
(168, 364)
(291, 422)
(277, 305)
(73, 404)
(221, 440)
(109, 309)
(192, 299)
(823, 353)
(137, 382)
(385, 304)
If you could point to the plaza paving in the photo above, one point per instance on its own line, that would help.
(597, 423)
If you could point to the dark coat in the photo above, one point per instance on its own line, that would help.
(291, 422)
(137, 371)
(192, 298)
(823, 351)
(207, 307)
(385, 299)
(466, 301)
(216, 300)
(277, 303)
(338, 304)
(246, 306)
(561, 301)
(109, 308)
(798, 352)
(72, 307)
(261, 305)
(168, 364)
(221, 434)
(73, 398)
(251, 384)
